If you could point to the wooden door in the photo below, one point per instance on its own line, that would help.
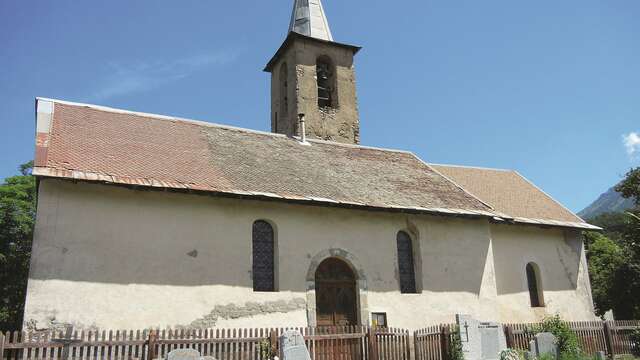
(336, 297)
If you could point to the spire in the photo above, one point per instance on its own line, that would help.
(308, 19)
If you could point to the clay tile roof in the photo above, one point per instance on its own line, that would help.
(511, 194)
(114, 146)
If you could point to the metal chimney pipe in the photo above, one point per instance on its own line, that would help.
(303, 133)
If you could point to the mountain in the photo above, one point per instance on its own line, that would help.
(611, 201)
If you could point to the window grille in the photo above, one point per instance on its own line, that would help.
(406, 267)
(263, 257)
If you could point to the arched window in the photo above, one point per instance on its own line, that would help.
(406, 267)
(325, 77)
(533, 282)
(284, 90)
(263, 256)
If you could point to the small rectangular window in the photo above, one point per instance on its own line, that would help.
(379, 319)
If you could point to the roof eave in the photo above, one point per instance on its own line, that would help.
(152, 185)
(547, 223)
(295, 36)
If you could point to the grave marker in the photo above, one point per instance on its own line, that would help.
(293, 346)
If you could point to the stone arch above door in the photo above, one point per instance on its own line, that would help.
(361, 283)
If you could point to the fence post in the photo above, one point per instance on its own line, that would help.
(508, 332)
(273, 340)
(409, 345)
(67, 342)
(445, 342)
(373, 346)
(1, 345)
(608, 339)
(415, 345)
(153, 337)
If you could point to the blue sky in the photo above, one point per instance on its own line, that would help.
(549, 88)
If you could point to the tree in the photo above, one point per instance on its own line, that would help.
(17, 218)
(630, 186)
(614, 257)
(606, 259)
(631, 243)
(613, 223)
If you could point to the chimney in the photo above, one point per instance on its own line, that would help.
(303, 131)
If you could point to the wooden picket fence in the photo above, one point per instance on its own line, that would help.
(324, 343)
(433, 342)
(611, 337)
(619, 332)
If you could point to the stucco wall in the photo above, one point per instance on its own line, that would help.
(112, 257)
(563, 268)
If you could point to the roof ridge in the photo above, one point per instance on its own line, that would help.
(358, 146)
(474, 167)
(158, 116)
(211, 124)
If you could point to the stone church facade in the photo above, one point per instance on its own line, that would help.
(154, 221)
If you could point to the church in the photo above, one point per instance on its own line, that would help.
(146, 220)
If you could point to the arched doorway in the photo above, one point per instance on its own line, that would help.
(336, 296)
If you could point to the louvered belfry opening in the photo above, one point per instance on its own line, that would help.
(325, 79)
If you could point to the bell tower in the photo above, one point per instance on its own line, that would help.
(312, 74)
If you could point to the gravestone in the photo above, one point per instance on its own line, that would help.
(293, 346)
(608, 316)
(183, 354)
(480, 340)
(543, 344)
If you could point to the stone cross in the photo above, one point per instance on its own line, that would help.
(293, 346)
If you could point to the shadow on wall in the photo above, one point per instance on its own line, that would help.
(557, 254)
(182, 240)
(155, 247)
(456, 261)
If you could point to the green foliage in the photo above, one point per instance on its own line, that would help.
(17, 217)
(511, 354)
(612, 223)
(630, 186)
(606, 260)
(265, 349)
(635, 342)
(614, 258)
(628, 295)
(567, 340)
(456, 345)
(546, 357)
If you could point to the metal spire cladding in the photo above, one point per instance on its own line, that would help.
(309, 19)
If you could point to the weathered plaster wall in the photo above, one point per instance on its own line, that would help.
(341, 123)
(111, 257)
(563, 271)
(284, 118)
